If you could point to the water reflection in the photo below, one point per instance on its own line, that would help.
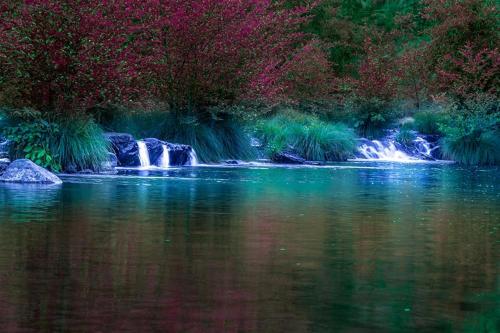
(256, 250)
(29, 203)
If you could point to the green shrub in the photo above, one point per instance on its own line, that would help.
(80, 143)
(32, 137)
(58, 144)
(308, 136)
(429, 121)
(472, 135)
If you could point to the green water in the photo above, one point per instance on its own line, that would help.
(350, 248)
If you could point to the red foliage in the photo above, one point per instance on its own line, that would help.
(453, 23)
(471, 72)
(414, 76)
(377, 73)
(67, 55)
(211, 51)
(74, 54)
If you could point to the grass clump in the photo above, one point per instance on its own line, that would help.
(307, 136)
(214, 134)
(472, 135)
(74, 143)
(213, 140)
(80, 144)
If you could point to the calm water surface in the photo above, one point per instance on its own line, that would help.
(352, 248)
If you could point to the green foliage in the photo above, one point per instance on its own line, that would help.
(32, 137)
(308, 136)
(139, 123)
(472, 135)
(80, 143)
(58, 144)
(370, 116)
(216, 134)
(213, 140)
(429, 121)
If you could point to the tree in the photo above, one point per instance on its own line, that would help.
(454, 23)
(210, 52)
(471, 73)
(66, 56)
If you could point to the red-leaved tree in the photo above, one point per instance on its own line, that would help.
(68, 55)
(206, 52)
(471, 72)
(454, 23)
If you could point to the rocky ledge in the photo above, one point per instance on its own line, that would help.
(126, 150)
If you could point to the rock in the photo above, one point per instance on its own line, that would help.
(25, 171)
(288, 158)
(125, 148)
(4, 163)
(155, 149)
(232, 162)
(179, 154)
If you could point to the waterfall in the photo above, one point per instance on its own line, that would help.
(383, 152)
(165, 157)
(424, 147)
(193, 159)
(390, 150)
(143, 154)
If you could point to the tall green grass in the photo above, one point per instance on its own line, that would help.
(55, 142)
(307, 136)
(472, 134)
(473, 149)
(214, 140)
(80, 144)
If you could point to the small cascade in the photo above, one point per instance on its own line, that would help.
(383, 152)
(193, 159)
(390, 150)
(165, 157)
(143, 154)
(424, 147)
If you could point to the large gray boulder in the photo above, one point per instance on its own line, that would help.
(25, 171)
(125, 148)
